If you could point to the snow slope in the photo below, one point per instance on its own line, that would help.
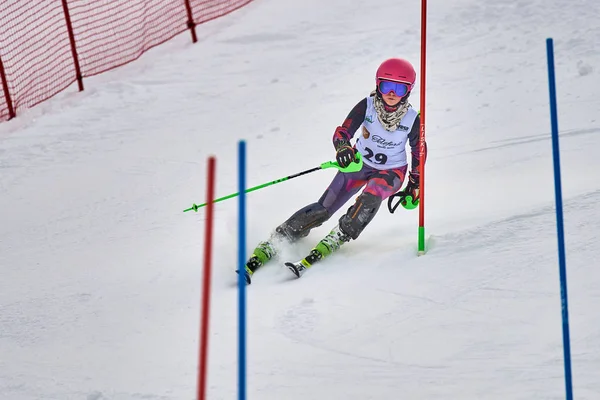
(101, 271)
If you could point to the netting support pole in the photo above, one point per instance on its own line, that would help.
(190, 21)
(73, 47)
(11, 110)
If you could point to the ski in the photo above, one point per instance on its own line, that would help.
(298, 268)
(247, 274)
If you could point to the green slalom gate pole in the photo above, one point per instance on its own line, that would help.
(353, 167)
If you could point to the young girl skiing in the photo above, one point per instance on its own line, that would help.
(389, 123)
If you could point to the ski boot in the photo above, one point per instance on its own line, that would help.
(262, 254)
(329, 244)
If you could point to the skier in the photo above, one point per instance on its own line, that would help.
(388, 123)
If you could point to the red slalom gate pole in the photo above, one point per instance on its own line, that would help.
(208, 240)
(422, 145)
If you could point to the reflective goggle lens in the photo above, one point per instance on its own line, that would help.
(400, 89)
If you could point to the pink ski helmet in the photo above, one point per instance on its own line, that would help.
(396, 70)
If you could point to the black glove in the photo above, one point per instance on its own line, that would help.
(344, 153)
(412, 188)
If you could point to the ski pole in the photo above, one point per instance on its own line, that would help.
(353, 167)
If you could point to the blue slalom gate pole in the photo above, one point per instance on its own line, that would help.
(559, 220)
(241, 276)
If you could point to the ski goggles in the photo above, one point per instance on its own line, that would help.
(399, 88)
